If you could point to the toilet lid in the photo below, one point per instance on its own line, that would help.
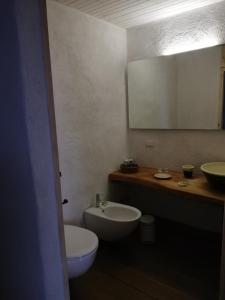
(79, 241)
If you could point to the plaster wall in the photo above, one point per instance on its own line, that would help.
(174, 148)
(88, 59)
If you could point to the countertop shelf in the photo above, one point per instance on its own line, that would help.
(198, 187)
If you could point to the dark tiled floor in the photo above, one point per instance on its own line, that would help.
(182, 265)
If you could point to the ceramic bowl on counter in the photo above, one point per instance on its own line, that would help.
(215, 174)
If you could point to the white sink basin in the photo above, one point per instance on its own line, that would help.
(112, 221)
(215, 173)
(120, 213)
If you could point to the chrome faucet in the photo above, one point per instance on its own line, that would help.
(103, 202)
(100, 201)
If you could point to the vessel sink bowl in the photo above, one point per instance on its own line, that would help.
(215, 174)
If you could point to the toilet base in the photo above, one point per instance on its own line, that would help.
(81, 249)
(79, 265)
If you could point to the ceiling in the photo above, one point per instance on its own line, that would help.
(130, 13)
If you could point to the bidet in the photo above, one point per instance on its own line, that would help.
(113, 221)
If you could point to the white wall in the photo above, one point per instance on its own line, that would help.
(88, 64)
(174, 148)
(201, 27)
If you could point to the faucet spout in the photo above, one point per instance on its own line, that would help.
(100, 201)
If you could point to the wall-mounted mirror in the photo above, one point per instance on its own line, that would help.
(183, 91)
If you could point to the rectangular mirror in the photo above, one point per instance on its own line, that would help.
(183, 91)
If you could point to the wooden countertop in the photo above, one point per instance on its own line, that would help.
(198, 187)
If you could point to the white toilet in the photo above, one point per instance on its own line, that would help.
(81, 249)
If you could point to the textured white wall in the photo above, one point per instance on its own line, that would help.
(204, 26)
(174, 148)
(88, 62)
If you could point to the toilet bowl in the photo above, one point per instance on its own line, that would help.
(112, 221)
(81, 248)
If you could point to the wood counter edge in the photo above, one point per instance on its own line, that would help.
(145, 177)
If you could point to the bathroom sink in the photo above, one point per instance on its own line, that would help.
(121, 213)
(215, 173)
(112, 221)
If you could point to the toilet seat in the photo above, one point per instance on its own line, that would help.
(79, 241)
